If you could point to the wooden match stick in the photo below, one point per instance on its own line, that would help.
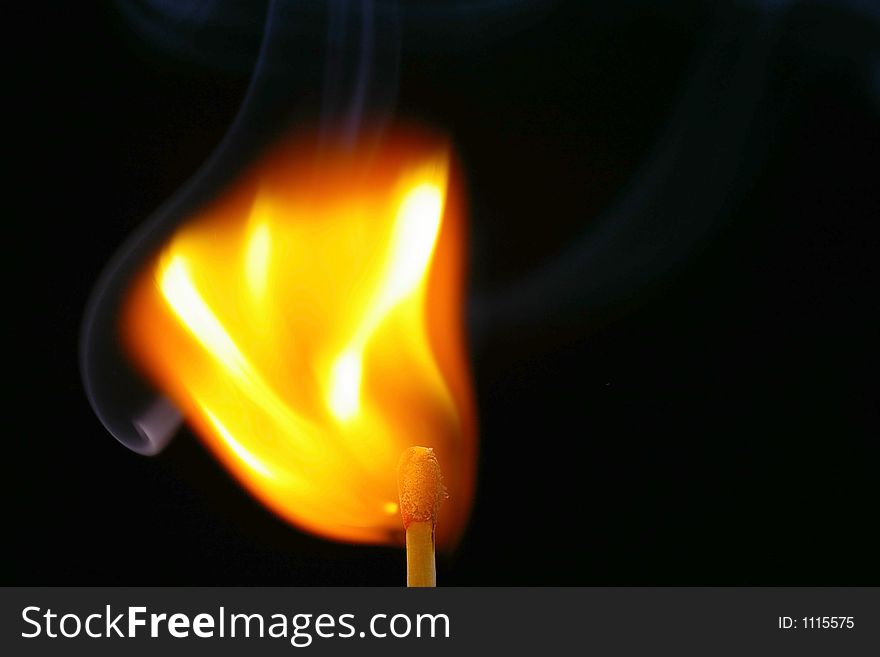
(420, 489)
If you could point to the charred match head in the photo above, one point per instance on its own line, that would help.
(419, 485)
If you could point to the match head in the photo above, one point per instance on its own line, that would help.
(419, 485)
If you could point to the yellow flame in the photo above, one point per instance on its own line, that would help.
(257, 260)
(308, 324)
(415, 232)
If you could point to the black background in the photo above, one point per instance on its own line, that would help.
(718, 427)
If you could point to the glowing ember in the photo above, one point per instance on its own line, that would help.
(309, 326)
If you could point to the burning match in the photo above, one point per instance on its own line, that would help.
(308, 322)
(420, 489)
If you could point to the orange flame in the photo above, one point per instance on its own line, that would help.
(309, 326)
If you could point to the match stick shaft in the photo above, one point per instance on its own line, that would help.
(420, 570)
